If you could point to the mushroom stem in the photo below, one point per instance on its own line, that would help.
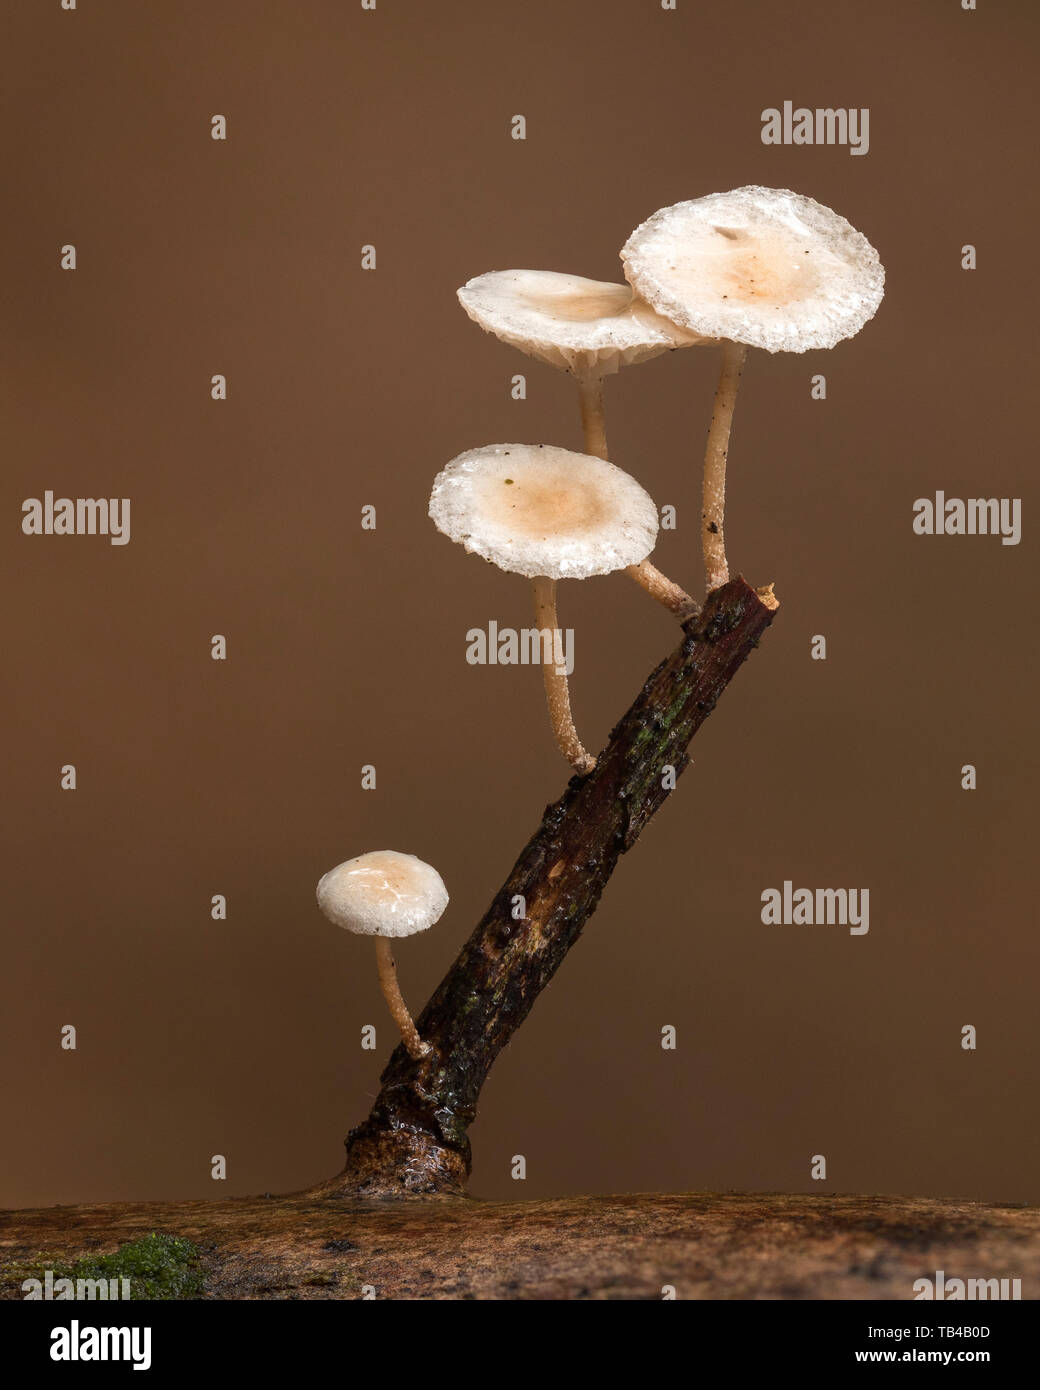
(646, 575)
(557, 694)
(713, 514)
(593, 421)
(398, 1008)
(665, 590)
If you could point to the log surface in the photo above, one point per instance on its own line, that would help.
(708, 1246)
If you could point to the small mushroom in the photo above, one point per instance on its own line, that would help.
(755, 267)
(590, 329)
(549, 514)
(386, 894)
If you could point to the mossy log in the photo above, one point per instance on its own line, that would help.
(702, 1245)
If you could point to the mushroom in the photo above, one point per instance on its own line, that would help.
(590, 329)
(386, 894)
(756, 267)
(549, 514)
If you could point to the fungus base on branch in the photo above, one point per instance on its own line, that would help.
(557, 692)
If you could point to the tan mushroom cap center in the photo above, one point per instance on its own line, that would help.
(543, 506)
(579, 301)
(542, 511)
(389, 876)
(771, 266)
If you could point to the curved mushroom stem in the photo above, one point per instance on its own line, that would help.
(646, 575)
(716, 568)
(557, 694)
(665, 590)
(398, 1008)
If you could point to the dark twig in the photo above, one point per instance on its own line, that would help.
(415, 1140)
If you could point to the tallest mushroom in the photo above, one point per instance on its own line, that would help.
(755, 267)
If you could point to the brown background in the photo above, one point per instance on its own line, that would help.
(346, 388)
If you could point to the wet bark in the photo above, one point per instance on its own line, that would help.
(415, 1139)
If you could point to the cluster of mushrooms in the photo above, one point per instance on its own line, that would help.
(755, 267)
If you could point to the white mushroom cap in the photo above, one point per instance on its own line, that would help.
(384, 893)
(545, 512)
(762, 266)
(572, 323)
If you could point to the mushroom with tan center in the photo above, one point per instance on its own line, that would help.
(755, 267)
(590, 329)
(386, 894)
(549, 514)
